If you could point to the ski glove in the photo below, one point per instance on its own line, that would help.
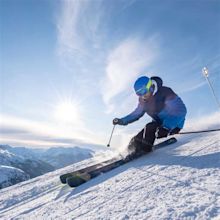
(117, 121)
(162, 132)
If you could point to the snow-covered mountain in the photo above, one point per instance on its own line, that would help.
(55, 156)
(19, 168)
(35, 162)
(11, 175)
(180, 181)
(60, 156)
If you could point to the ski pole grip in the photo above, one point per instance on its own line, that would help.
(115, 121)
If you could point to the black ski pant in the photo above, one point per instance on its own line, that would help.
(147, 134)
(153, 130)
(144, 140)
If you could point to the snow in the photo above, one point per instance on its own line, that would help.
(181, 181)
(11, 175)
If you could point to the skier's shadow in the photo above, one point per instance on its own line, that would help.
(165, 157)
(63, 191)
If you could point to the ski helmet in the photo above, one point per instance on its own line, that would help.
(142, 85)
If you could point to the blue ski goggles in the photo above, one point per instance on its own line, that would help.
(144, 89)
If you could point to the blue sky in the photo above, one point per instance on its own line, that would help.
(68, 67)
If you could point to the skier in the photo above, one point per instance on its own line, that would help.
(165, 108)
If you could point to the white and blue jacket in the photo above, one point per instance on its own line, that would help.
(165, 107)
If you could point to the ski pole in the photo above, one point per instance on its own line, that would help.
(202, 131)
(108, 145)
(206, 74)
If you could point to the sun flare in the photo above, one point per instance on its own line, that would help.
(67, 112)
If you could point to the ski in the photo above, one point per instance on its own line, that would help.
(64, 177)
(83, 176)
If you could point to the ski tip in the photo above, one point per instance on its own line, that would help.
(63, 179)
(75, 181)
(172, 139)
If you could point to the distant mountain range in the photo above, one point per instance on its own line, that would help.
(19, 163)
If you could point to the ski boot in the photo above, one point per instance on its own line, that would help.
(137, 148)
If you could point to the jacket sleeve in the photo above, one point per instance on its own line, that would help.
(134, 116)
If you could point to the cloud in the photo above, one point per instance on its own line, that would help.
(203, 122)
(124, 64)
(19, 131)
(194, 87)
(79, 38)
(198, 82)
(68, 38)
(77, 25)
(83, 25)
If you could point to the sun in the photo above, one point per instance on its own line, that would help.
(67, 112)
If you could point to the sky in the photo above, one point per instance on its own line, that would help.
(67, 68)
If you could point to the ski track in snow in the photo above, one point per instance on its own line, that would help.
(180, 181)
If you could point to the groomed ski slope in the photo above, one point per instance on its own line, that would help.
(181, 181)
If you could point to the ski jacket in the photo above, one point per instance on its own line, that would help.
(164, 107)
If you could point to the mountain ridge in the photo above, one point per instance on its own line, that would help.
(36, 162)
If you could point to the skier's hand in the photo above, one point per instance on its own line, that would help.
(162, 132)
(117, 121)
